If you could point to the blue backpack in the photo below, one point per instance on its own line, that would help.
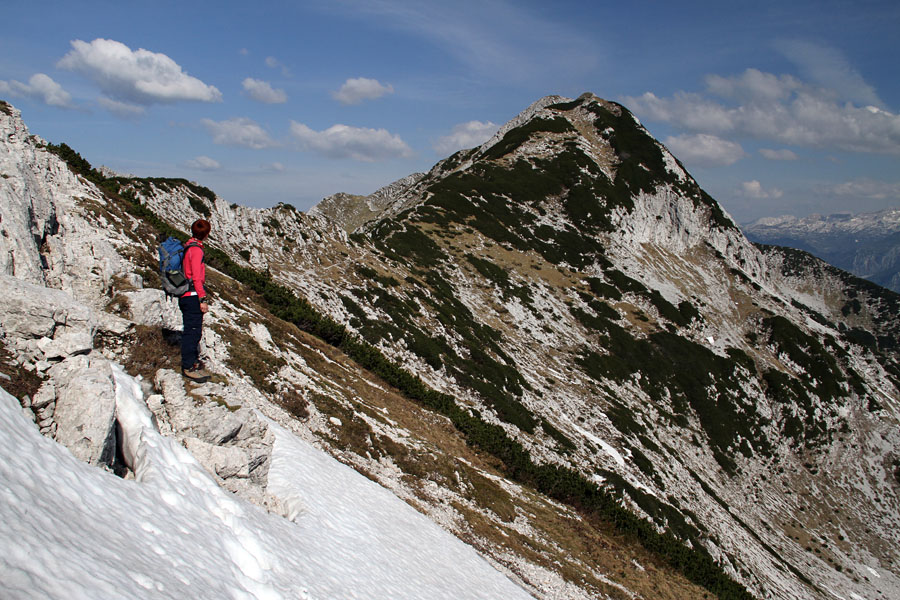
(171, 267)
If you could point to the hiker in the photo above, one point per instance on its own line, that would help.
(193, 303)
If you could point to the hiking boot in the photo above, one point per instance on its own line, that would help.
(196, 374)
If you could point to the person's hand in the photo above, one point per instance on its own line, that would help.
(204, 307)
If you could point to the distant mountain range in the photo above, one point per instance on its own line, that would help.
(866, 244)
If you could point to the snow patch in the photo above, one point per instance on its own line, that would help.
(75, 531)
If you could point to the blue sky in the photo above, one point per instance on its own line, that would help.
(775, 107)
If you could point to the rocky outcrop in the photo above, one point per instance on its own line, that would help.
(230, 441)
(46, 325)
(151, 307)
(59, 270)
(351, 212)
(85, 412)
(40, 204)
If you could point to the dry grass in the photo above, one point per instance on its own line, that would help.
(119, 305)
(149, 350)
(21, 382)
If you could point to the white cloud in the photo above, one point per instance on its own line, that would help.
(40, 87)
(704, 150)
(274, 63)
(275, 167)
(494, 40)
(121, 109)
(239, 131)
(465, 135)
(135, 76)
(780, 109)
(784, 154)
(342, 141)
(356, 90)
(755, 190)
(866, 189)
(829, 68)
(203, 163)
(262, 91)
(753, 85)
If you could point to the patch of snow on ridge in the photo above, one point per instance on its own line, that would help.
(362, 530)
(612, 452)
(75, 531)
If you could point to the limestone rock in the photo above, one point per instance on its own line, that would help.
(151, 307)
(33, 311)
(216, 424)
(85, 412)
(66, 344)
(44, 396)
(224, 461)
(209, 422)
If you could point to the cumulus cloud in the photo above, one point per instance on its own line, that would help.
(784, 154)
(465, 135)
(342, 141)
(40, 87)
(135, 76)
(753, 86)
(777, 108)
(755, 190)
(203, 163)
(356, 90)
(262, 91)
(239, 131)
(704, 150)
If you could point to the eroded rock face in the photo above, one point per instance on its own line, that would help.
(46, 325)
(229, 440)
(85, 412)
(151, 307)
(32, 311)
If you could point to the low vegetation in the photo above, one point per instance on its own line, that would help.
(15, 379)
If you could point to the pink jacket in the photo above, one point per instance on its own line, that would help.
(194, 268)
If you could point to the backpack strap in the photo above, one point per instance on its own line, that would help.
(202, 259)
(196, 245)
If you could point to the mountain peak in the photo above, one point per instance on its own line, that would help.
(560, 316)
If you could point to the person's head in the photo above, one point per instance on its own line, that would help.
(200, 229)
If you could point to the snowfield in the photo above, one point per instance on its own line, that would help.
(75, 531)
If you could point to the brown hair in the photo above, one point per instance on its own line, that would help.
(200, 229)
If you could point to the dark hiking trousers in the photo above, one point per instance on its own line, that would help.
(193, 329)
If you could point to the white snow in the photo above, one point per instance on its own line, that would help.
(74, 531)
(612, 452)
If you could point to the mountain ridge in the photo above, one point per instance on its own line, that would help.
(866, 244)
(576, 306)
